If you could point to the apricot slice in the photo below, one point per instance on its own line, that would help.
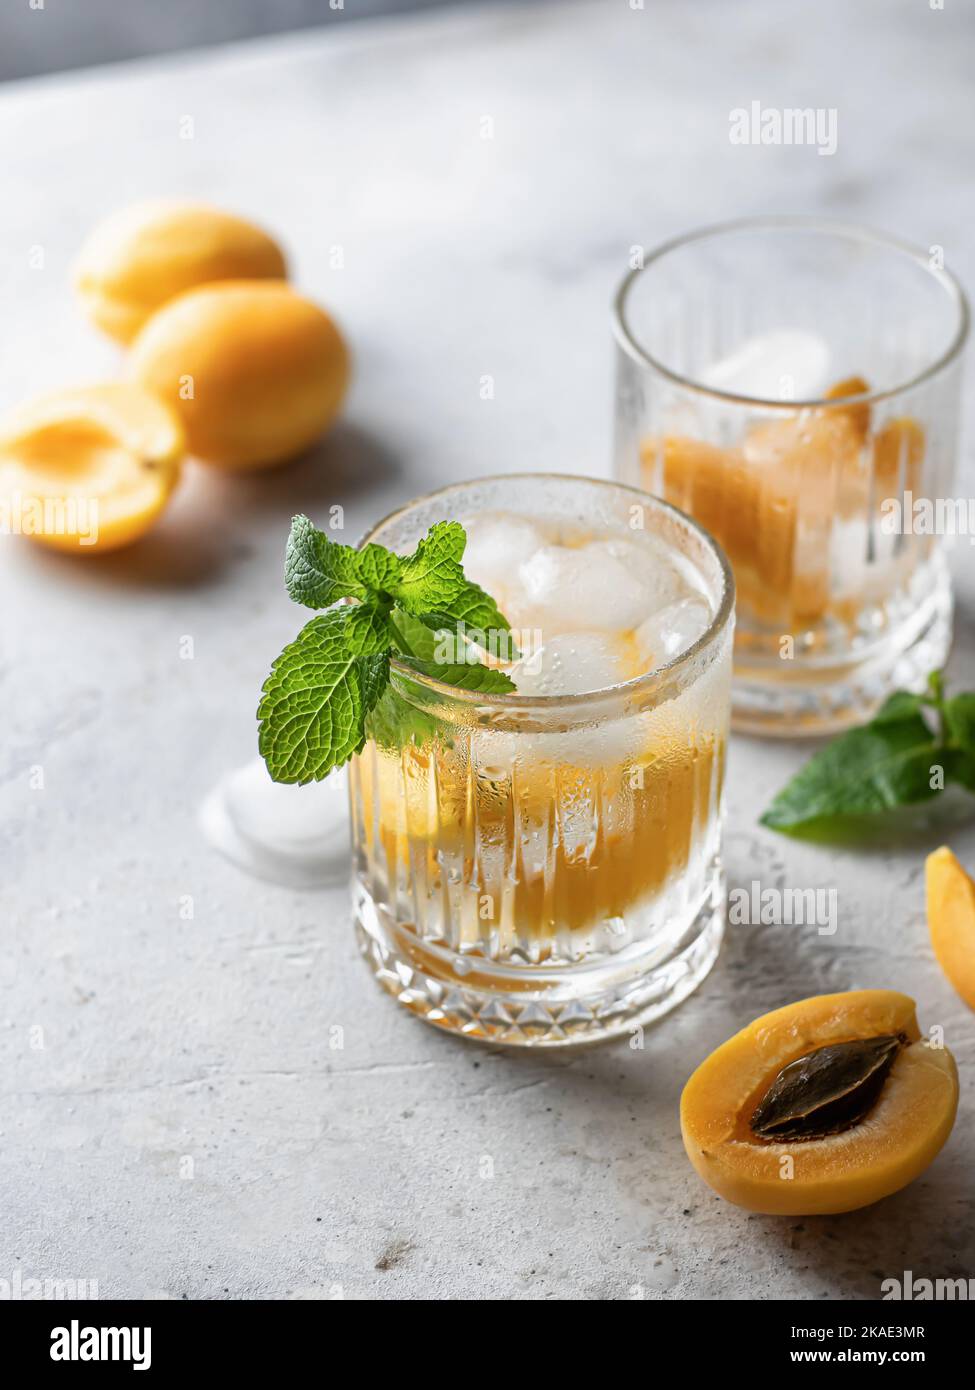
(898, 1134)
(898, 453)
(254, 371)
(142, 256)
(951, 920)
(858, 415)
(89, 469)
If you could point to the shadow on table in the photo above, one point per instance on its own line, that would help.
(928, 1228)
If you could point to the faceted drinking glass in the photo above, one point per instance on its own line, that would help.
(794, 385)
(545, 870)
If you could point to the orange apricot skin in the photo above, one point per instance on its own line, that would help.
(951, 920)
(894, 1144)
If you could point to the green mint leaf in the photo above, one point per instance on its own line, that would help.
(331, 688)
(432, 576)
(959, 719)
(481, 617)
(367, 627)
(394, 723)
(413, 637)
(898, 707)
(318, 571)
(466, 676)
(314, 703)
(375, 680)
(861, 774)
(378, 567)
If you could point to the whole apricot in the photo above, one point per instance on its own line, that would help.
(254, 371)
(826, 1105)
(142, 256)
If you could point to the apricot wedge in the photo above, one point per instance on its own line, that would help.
(907, 1106)
(951, 920)
(90, 469)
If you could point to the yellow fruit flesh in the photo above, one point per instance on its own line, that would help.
(773, 502)
(89, 470)
(951, 920)
(891, 1146)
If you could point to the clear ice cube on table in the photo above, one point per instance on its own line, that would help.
(298, 836)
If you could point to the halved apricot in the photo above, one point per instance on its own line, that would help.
(849, 1162)
(88, 469)
(951, 920)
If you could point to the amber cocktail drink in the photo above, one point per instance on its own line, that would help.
(794, 385)
(542, 867)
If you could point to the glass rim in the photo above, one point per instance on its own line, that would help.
(630, 344)
(638, 685)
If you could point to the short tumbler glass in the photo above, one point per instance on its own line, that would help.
(794, 385)
(545, 870)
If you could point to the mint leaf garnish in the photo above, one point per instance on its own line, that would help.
(318, 571)
(889, 763)
(330, 688)
(413, 636)
(375, 680)
(959, 714)
(378, 568)
(465, 676)
(432, 577)
(481, 617)
(315, 698)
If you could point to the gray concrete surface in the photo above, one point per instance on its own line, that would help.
(175, 1119)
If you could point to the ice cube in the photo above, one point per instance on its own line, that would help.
(652, 564)
(497, 543)
(785, 364)
(298, 836)
(569, 664)
(672, 630)
(605, 586)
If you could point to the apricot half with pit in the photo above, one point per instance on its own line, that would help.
(89, 469)
(824, 1106)
(144, 255)
(255, 372)
(951, 920)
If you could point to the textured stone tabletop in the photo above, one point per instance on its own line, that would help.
(175, 1121)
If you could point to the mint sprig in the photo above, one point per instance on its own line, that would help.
(889, 763)
(330, 688)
